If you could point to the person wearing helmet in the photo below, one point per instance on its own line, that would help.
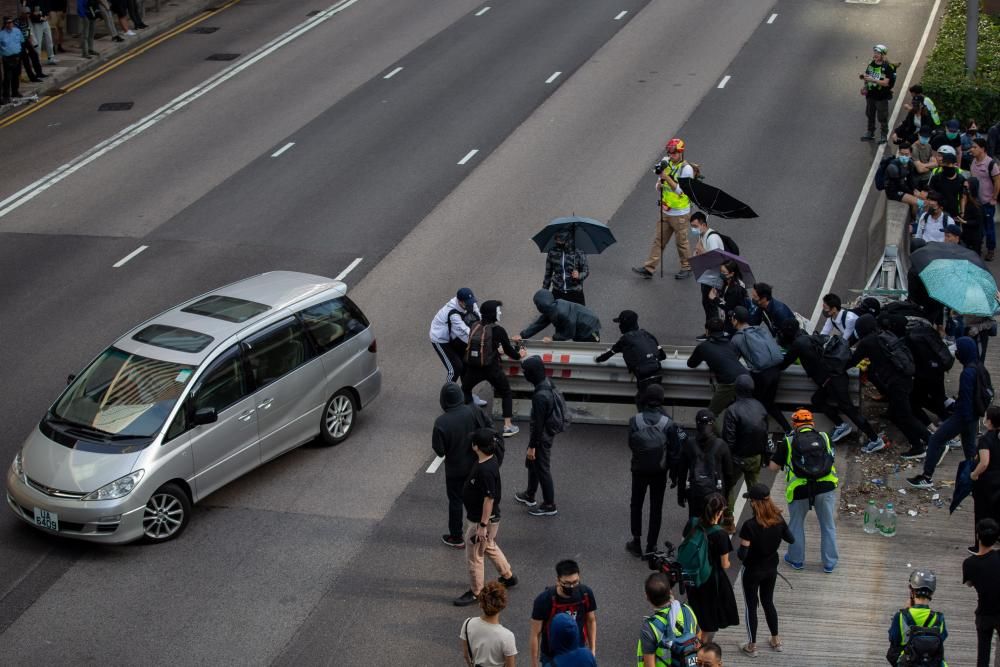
(806, 455)
(917, 633)
(675, 211)
(879, 78)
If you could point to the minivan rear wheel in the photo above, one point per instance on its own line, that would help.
(166, 515)
(338, 418)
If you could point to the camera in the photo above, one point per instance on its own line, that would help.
(665, 561)
(660, 166)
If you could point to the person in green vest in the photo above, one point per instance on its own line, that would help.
(917, 633)
(675, 211)
(879, 78)
(671, 622)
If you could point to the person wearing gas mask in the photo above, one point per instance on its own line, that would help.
(565, 270)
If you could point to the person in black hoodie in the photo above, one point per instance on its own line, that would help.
(722, 360)
(538, 460)
(565, 270)
(705, 465)
(744, 429)
(451, 439)
(895, 385)
(571, 320)
(641, 352)
(733, 293)
(484, 365)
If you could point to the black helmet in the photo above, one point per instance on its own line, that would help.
(923, 582)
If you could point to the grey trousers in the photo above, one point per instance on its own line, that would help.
(881, 109)
(87, 30)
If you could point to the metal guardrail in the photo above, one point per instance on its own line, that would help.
(605, 393)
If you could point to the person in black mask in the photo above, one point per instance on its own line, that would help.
(641, 351)
(705, 466)
(565, 270)
(539, 455)
(733, 293)
(947, 181)
(482, 361)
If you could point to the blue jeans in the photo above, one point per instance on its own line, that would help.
(826, 510)
(949, 428)
(989, 226)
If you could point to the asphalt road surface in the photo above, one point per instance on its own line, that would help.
(333, 555)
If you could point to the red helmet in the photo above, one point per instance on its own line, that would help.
(675, 145)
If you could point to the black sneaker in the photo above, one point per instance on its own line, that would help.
(464, 600)
(974, 549)
(682, 274)
(453, 541)
(544, 510)
(634, 547)
(913, 453)
(920, 482)
(643, 271)
(649, 552)
(117, 38)
(508, 582)
(524, 499)
(868, 136)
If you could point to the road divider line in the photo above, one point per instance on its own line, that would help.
(283, 149)
(31, 191)
(621, 15)
(771, 20)
(435, 464)
(482, 11)
(725, 80)
(468, 156)
(350, 267)
(121, 262)
(866, 188)
(553, 77)
(393, 73)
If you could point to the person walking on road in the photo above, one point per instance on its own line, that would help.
(714, 602)
(705, 466)
(675, 212)
(879, 78)
(565, 270)
(450, 332)
(640, 350)
(980, 572)
(570, 596)
(571, 320)
(744, 429)
(723, 360)
(482, 361)
(481, 496)
(567, 648)
(539, 455)
(708, 240)
(986, 474)
(671, 621)
(807, 458)
(485, 642)
(917, 633)
(760, 538)
(762, 354)
(451, 438)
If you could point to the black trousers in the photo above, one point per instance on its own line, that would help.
(453, 485)
(540, 474)
(452, 360)
(494, 375)
(928, 394)
(986, 626)
(834, 398)
(29, 60)
(576, 296)
(765, 388)
(985, 500)
(710, 307)
(879, 108)
(900, 413)
(657, 485)
(758, 585)
(11, 77)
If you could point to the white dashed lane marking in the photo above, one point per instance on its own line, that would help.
(393, 73)
(283, 149)
(469, 156)
(121, 262)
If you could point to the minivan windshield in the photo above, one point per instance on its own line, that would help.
(122, 395)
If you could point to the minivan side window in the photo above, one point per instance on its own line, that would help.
(221, 385)
(277, 350)
(333, 322)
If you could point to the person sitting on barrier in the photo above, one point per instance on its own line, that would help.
(641, 351)
(571, 320)
(722, 360)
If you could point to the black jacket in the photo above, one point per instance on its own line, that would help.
(630, 345)
(452, 430)
(802, 349)
(571, 320)
(882, 373)
(646, 458)
(542, 402)
(714, 448)
(721, 357)
(744, 426)
(559, 266)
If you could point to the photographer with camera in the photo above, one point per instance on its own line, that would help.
(669, 636)
(675, 211)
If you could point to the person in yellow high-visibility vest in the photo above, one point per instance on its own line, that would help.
(675, 212)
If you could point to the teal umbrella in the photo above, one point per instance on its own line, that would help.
(962, 286)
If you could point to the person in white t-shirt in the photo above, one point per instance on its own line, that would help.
(708, 240)
(484, 641)
(838, 320)
(934, 219)
(675, 211)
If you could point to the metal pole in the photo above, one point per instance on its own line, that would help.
(971, 36)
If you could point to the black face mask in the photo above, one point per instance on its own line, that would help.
(948, 171)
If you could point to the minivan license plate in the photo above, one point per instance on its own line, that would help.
(46, 519)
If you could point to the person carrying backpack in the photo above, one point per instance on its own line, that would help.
(482, 361)
(763, 355)
(669, 637)
(744, 429)
(449, 332)
(722, 360)
(565, 270)
(705, 549)
(569, 597)
(571, 320)
(917, 633)
(543, 430)
(705, 465)
(640, 350)
(655, 440)
(811, 478)
(932, 359)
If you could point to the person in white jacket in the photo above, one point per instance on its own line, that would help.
(449, 332)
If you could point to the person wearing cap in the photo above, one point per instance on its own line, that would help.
(924, 158)
(675, 212)
(985, 171)
(921, 114)
(708, 450)
(570, 320)
(11, 40)
(723, 361)
(950, 135)
(879, 78)
(640, 350)
(760, 538)
(947, 181)
(449, 332)
(483, 365)
(952, 234)
(931, 223)
(917, 613)
(565, 270)
(805, 493)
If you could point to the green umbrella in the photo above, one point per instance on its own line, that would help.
(962, 286)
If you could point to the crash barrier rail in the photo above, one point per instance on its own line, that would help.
(889, 275)
(605, 393)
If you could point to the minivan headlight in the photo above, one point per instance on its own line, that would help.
(17, 467)
(117, 489)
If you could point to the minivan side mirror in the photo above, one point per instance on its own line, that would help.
(70, 378)
(205, 416)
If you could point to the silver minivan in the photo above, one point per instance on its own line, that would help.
(192, 399)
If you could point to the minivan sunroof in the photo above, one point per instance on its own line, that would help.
(173, 338)
(226, 308)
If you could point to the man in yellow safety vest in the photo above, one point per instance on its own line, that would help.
(675, 211)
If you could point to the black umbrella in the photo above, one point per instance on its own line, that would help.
(714, 201)
(588, 235)
(922, 257)
(963, 484)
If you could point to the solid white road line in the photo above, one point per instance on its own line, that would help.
(468, 156)
(283, 149)
(859, 206)
(393, 73)
(435, 464)
(725, 80)
(121, 262)
(31, 191)
(553, 77)
(621, 15)
(771, 20)
(350, 267)
(482, 11)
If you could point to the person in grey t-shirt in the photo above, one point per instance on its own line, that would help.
(484, 641)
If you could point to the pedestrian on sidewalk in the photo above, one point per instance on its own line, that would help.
(569, 596)
(760, 538)
(744, 429)
(482, 361)
(104, 10)
(570, 320)
(705, 466)
(811, 479)
(986, 474)
(763, 355)
(980, 572)
(87, 11)
(449, 332)
(565, 270)
(11, 40)
(41, 31)
(714, 602)
(917, 633)
(538, 459)
(723, 361)
(671, 622)
(640, 350)
(963, 421)
(481, 496)
(985, 170)
(708, 240)
(485, 642)
(57, 22)
(879, 78)
(29, 49)
(452, 439)
(766, 310)
(675, 211)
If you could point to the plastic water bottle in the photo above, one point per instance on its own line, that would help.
(871, 516)
(888, 528)
(894, 479)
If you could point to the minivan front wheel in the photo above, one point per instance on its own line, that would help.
(166, 514)
(338, 418)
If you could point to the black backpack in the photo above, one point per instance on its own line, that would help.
(811, 457)
(728, 244)
(559, 419)
(834, 351)
(880, 172)
(922, 644)
(927, 346)
(642, 354)
(652, 441)
(897, 352)
(481, 351)
(705, 477)
(982, 397)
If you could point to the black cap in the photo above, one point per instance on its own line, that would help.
(953, 229)
(741, 314)
(758, 492)
(925, 131)
(704, 416)
(627, 316)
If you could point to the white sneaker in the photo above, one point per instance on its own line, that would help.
(954, 443)
(131, 33)
(876, 445)
(478, 401)
(842, 431)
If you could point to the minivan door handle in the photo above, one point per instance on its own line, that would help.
(265, 404)
(246, 415)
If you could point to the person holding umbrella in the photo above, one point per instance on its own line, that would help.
(732, 294)
(566, 269)
(675, 211)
